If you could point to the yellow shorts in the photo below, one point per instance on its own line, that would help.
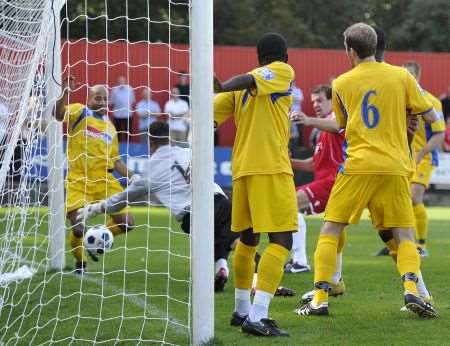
(80, 192)
(387, 197)
(422, 174)
(266, 203)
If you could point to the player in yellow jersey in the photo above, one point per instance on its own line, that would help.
(92, 156)
(264, 199)
(427, 140)
(370, 102)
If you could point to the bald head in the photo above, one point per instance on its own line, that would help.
(98, 99)
(361, 38)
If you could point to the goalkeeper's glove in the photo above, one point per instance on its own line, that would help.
(90, 210)
(134, 178)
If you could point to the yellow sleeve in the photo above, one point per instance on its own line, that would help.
(338, 107)
(223, 107)
(73, 112)
(416, 102)
(273, 78)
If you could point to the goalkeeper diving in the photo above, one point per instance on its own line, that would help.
(167, 177)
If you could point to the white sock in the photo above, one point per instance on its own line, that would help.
(242, 301)
(222, 263)
(260, 306)
(338, 273)
(299, 242)
(421, 288)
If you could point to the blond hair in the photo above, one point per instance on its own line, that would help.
(362, 38)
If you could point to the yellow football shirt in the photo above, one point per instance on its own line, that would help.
(426, 130)
(92, 146)
(371, 101)
(262, 121)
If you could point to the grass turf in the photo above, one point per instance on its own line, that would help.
(138, 294)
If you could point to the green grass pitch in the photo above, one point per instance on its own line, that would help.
(140, 292)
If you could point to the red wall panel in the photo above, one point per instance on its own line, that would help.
(156, 65)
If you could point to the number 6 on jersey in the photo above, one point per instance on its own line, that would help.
(367, 108)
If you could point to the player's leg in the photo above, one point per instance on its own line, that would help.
(273, 208)
(420, 214)
(391, 208)
(224, 240)
(337, 285)
(388, 237)
(76, 198)
(349, 197)
(244, 252)
(299, 259)
(76, 242)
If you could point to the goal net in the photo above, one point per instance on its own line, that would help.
(154, 61)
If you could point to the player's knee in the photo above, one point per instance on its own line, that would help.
(283, 239)
(332, 228)
(386, 235)
(417, 192)
(77, 231)
(249, 238)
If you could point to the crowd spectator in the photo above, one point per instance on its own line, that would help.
(178, 111)
(445, 100)
(183, 85)
(147, 110)
(446, 144)
(122, 100)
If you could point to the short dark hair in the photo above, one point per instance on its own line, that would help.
(322, 88)
(271, 47)
(159, 132)
(381, 43)
(362, 38)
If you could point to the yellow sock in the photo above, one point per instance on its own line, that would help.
(77, 248)
(342, 240)
(270, 268)
(391, 244)
(115, 228)
(408, 261)
(243, 265)
(324, 264)
(421, 217)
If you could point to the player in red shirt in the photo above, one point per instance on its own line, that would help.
(447, 137)
(312, 198)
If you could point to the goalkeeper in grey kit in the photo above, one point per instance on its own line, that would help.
(167, 178)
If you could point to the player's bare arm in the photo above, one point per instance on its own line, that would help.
(434, 142)
(68, 85)
(306, 165)
(239, 82)
(329, 125)
(413, 124)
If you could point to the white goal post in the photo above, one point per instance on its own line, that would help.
(202, 239)
(157, 284)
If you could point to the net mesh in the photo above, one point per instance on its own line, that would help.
(139, 292)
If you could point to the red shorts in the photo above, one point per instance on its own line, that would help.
(318, 193)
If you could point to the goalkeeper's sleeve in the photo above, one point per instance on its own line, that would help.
(137, 191)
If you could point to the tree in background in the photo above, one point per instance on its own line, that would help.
(410, 24)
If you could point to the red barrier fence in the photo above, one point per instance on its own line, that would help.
(156, 65)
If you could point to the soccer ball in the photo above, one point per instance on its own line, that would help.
(98, 239)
